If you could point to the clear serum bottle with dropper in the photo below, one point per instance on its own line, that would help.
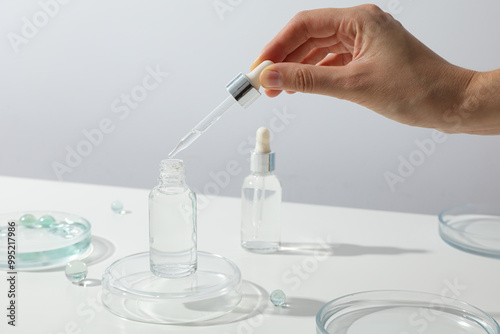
(261, 200)
(172, 223)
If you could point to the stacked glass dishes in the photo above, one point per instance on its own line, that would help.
(132, 291)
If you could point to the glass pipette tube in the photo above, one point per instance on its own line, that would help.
(201, 127)
(243, 89)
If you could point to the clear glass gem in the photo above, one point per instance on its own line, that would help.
(76, 271)
(29, 220)
(278, 297)
(117, 206)
(46, 221)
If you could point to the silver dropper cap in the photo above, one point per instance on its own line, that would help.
(242, 90)
(245, 87)
(262, 162)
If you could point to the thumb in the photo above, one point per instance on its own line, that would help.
(303, 78)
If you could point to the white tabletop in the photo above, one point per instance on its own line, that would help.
(328, 252)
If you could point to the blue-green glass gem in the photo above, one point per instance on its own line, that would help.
(69, 231)
(76, 271)
(46, 221)
(117, 206)
(29, 220)
(64, 230)
(54, 228)
(58, 228)
(278, 297)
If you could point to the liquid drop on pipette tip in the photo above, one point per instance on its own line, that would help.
(174, 152)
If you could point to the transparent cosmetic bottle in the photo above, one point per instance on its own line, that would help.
(172, 223)
(261, 200)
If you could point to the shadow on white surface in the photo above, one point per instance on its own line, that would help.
(300, 248)
(89, 282)
(256, 303)
(299, 307)
(103, 250)
(253, 303)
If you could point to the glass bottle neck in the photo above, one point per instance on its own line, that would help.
(170, 182)
(172, 173)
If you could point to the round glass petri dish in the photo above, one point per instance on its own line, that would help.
(43, 239)
(402, 312)
(130, 290)
(474, 228)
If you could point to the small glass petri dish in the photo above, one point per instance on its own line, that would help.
(402, 312)
(130, 290)
(48, 239)
(473, 228)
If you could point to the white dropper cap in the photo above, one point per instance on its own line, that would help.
(262, 142)
(253, 76)
(262, 159)
(245, 87)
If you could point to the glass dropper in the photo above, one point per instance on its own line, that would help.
(243, 89)
(203, 126)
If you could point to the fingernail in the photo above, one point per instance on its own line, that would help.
(271, 79)
(254, 64)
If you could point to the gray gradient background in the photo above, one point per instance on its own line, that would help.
(332, 152)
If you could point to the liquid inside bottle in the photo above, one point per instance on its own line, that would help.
(261, 199)
(172, 223)
(261, 203)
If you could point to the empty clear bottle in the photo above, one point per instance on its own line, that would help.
(172, 223)
(261, 200)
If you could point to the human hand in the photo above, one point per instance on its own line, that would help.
(364, 55)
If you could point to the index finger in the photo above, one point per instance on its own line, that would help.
(317, 23)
